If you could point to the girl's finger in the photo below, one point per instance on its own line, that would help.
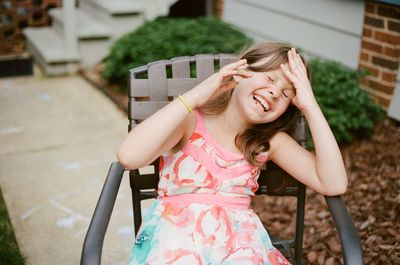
(288, 74)
(294, 56)
(228, 84)
(299, 64)
(235, 64)
(292, 62)
(302, 66)
(285, 67)
(297, 60)
(242, 73)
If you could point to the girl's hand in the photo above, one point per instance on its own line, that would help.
(297, 74)
(218, 83)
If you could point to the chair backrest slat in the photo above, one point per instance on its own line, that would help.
(157, 88)
(175, 86)
(139, 88)
(225, 59)
(181, 67)
(143, 109)
(204, 66)
(157, 75)
(180, 85)
(300, 133)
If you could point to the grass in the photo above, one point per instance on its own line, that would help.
(9, 251)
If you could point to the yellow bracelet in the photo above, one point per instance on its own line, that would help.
(186, 104)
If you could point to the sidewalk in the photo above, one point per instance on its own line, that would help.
(58, 137)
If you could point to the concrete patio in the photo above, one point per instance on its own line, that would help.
(58, 137)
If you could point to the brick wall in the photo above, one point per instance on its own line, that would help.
(15, 15)
(380, 50)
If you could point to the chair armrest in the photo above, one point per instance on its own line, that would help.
(349, 239)
(93, 245)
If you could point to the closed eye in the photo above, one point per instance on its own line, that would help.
(289, 93)
(270, 79)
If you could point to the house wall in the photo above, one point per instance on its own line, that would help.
(327, 29)
(380, 51)
(394, 106)
(358, 34)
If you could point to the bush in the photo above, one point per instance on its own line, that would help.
(166, 38)
(9, 250)
(349, 110)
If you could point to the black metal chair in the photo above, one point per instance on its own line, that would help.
(152, 87)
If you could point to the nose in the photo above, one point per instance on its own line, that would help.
(275, 92)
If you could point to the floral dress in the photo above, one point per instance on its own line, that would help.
(202, 215)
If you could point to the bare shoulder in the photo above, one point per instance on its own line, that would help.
(279, 140)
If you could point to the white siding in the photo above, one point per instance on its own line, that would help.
(329, 29)
(394, 107)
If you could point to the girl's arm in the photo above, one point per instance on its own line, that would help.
(323, 172)
(155, 135)
(168, 126)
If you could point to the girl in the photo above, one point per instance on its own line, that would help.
(211, 142)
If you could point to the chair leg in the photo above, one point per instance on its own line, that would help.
(137, 210)
(301, 202)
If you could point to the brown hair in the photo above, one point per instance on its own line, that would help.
(255, 140)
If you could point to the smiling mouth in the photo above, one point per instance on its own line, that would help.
(262, 103)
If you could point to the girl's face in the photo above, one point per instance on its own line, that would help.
(263, 97)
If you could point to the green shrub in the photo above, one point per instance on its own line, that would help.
(9, 250)
(349, 110)
(166, 38)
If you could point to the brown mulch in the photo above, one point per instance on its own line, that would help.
(372, 198)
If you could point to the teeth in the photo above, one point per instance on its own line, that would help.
(262, 102)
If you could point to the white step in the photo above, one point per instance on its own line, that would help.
(50, 45)
(122, 16)
(48, 50)
(98, 24)
(86, 26)
(116, 7)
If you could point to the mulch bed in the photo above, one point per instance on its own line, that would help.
(372, 198)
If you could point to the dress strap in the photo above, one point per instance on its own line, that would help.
(202, 130)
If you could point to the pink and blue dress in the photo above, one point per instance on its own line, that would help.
(202, 214)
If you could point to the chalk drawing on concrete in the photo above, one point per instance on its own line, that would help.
(71, 166)
(126, 231)
(68, 222)
(42, 204)
(72, 216)
(10, 130)
(44, 96)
